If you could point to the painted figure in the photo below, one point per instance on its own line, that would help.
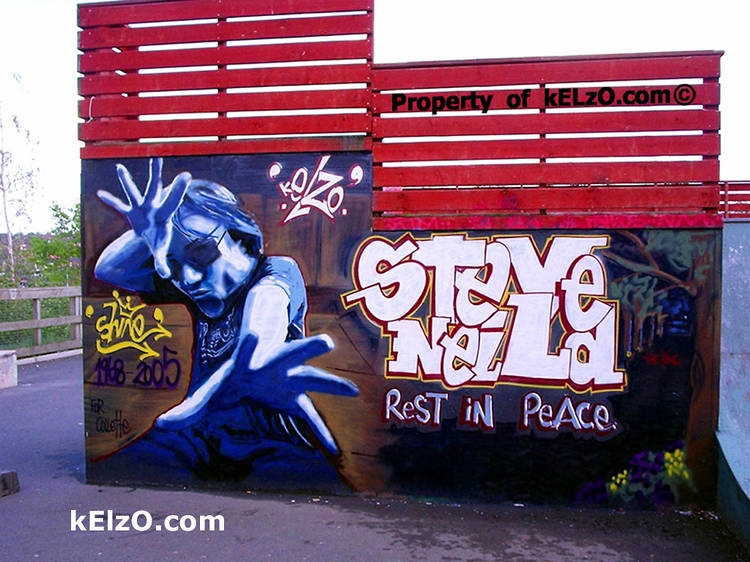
(247, 411)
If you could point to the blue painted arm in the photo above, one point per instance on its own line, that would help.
(127, 263)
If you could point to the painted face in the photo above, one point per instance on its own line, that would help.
(207, 264)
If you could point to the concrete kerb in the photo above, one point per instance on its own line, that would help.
(9, 363)
(49, 357)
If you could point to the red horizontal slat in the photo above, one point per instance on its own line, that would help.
(327, 74)
(536, 123)
(531, 222)
(705, 94)
(736, 208)
(553, 199)
(136, 12)
(566, 173)
(548, 72)
(254, 146)
(104, 60)
(234, 8)
(105, 106)
(90, 15)
(273, 125)
(548, 148)
(99, 37)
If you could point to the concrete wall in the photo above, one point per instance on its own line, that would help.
(734, 405)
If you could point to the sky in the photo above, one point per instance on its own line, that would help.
(38, 40)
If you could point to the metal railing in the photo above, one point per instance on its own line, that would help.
(734, 199)
(37, 323)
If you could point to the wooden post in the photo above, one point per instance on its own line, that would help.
(37, 315)
(75, 310)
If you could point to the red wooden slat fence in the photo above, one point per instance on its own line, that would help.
(224, 76)
(148, 11)
(613, 165)
(183, 77)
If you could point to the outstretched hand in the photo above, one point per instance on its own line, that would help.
(280, 382)
(150, 214)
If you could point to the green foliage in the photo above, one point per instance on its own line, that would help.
(652, 478)
(637, 293)
(678, 248)
(666, 259)
(43, 260)
(55, 259)
(67, 223)
(15, 311)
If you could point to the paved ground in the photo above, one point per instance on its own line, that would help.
(41, 438)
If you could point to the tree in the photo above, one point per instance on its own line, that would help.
(55, 258)
(659, 262)
(18, 174)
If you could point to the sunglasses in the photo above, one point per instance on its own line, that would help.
(198, 253)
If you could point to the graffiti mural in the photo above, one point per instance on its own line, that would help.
(245, 327)
(498, 312)
(505, 354)
(200, 352)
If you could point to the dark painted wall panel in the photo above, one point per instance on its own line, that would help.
(541, 365)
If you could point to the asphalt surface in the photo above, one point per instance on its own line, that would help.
(41, 438)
